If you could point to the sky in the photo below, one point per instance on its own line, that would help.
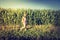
(32, 4)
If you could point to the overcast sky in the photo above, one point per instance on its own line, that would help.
(32, 4)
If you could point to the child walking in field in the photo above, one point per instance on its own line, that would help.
(24, 21)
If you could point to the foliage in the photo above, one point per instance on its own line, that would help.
(34, 17)
(35, 33)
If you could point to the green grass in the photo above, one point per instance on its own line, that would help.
(35, 31)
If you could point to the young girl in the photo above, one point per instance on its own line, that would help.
(24, 21)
